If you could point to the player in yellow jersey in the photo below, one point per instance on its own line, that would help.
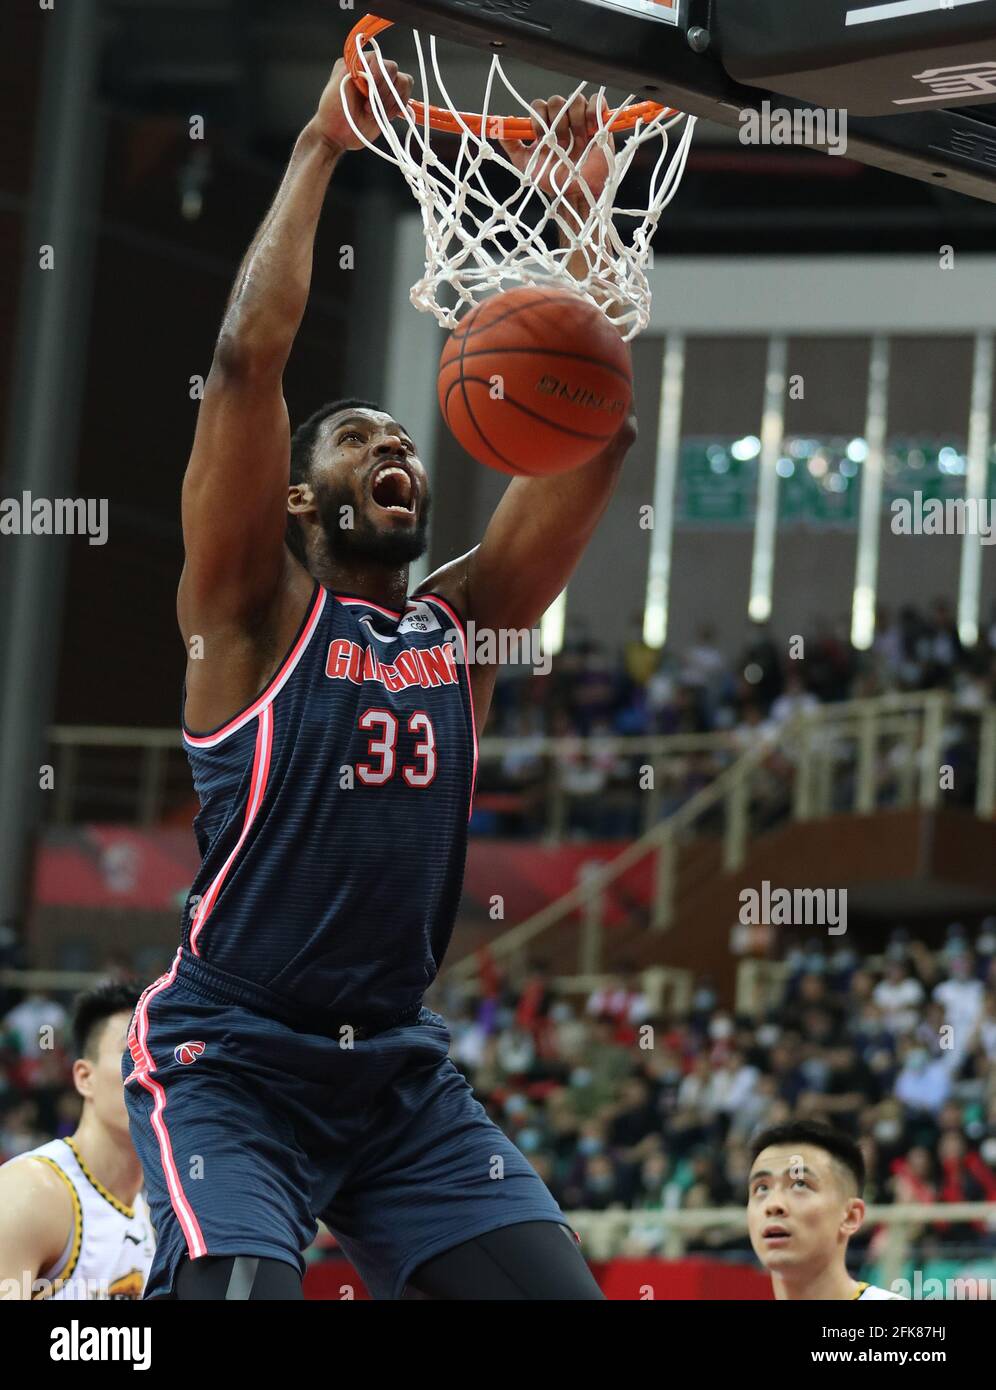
(73, 1221)
(803, 1206)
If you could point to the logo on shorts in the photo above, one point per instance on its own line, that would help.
(188, 1052)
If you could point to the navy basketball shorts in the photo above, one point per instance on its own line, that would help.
(248, 1128)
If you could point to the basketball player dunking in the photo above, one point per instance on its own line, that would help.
(73, 1222)
(284, 1068)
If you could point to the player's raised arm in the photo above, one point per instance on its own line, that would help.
(235, 488)
(542, 525)
(35, 1220)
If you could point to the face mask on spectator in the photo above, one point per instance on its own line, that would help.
(590, 1144)
(887, 1131)
(988, 1151)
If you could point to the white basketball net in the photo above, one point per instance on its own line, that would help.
(477, 244)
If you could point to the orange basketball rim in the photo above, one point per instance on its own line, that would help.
(457, 123)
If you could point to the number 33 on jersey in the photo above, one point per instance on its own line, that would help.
(350, 774)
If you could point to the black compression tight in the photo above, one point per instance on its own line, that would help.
(530, 1260)
(236, 1277)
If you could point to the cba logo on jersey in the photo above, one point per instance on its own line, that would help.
(188, 1052)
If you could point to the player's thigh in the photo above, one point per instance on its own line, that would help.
(434, 1172)
(224, 1172)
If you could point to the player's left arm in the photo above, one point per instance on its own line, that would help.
(535, 540)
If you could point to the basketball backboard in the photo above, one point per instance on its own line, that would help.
(915, 77)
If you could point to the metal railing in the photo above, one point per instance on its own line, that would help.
(605, 1234)
(837, 758)
(137, 774)
(130, 772)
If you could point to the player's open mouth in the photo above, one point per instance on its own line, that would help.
(775, 1235)
(393, 488)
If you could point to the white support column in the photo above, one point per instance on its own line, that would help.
(766, 520)
(866, 572)
(655, 610)
(412, 344)
(976, 481)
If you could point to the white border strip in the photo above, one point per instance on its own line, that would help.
(663, 11)
(899, 9)
(821, 295)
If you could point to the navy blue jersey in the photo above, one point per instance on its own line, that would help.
(333, 812)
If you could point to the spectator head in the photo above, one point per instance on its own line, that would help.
(604, 1030)
(600, 1173)
(812, 988)
(961, 966)
(654, 1170)
(841, 1058)
(544, 1165)
(100, 1030)
(951, 1147)
(950, 1116)
(804, 1197)
(634, 1093)
(862, 984)
(921, 1163)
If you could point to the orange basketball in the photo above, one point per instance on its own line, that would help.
(535, 381)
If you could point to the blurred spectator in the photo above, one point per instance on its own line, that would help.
(35, 1025)
(794, 700)
(899, 996)
(640, 690)
(962, 996)
(923, 1083)
(20, 1130)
